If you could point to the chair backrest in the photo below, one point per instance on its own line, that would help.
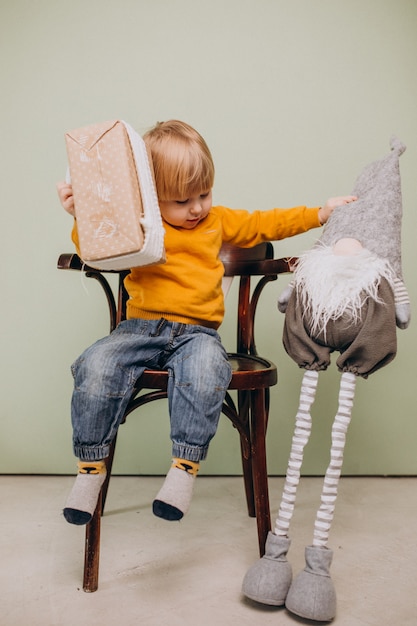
(246, 263)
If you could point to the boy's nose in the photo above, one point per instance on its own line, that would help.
(196, 208)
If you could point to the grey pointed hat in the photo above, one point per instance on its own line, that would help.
(375, 218)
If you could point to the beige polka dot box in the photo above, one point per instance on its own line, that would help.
(116, 206)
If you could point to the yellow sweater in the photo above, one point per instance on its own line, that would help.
(188, 287)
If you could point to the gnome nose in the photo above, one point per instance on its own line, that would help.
(347, 246)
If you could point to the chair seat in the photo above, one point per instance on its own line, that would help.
(252, 372)
(248, 372)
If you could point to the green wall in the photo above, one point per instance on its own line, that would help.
(294, 98)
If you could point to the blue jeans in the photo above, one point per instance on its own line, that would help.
(105, 375)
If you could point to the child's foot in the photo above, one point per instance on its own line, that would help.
(82, 500)
(173, 500)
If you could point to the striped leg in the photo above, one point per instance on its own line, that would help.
(300, 438)
(402, 304)
(331, 480)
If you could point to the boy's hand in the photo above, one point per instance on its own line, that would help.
(66, 197)
(326, 210)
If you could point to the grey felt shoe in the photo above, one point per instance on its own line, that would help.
(312, 594)
(267, 581)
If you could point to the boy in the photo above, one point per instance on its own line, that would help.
(174, 311)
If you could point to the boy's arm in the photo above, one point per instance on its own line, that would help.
(246, 229)
(66, 197)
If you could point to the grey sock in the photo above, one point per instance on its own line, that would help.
(174, 498)
(82, 500)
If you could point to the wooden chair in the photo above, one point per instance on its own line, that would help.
(252, 377)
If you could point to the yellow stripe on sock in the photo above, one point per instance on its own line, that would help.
(91, 467)
(191, 467)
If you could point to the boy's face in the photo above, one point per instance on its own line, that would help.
(186, 212)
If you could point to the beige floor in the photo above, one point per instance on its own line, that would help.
(157, 573)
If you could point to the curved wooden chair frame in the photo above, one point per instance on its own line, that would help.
(252, 378)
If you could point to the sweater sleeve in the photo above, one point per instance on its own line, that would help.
(74, 237)
(246, 229)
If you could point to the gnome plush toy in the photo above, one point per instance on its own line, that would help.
(347, 296)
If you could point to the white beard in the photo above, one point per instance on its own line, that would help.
(330, 286)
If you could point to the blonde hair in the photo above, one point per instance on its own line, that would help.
(182, 162)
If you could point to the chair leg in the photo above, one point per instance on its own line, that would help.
(92, 549)
(92, 531)
(246, 452)
(109, 464)
(260, 475)
(248, 482)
